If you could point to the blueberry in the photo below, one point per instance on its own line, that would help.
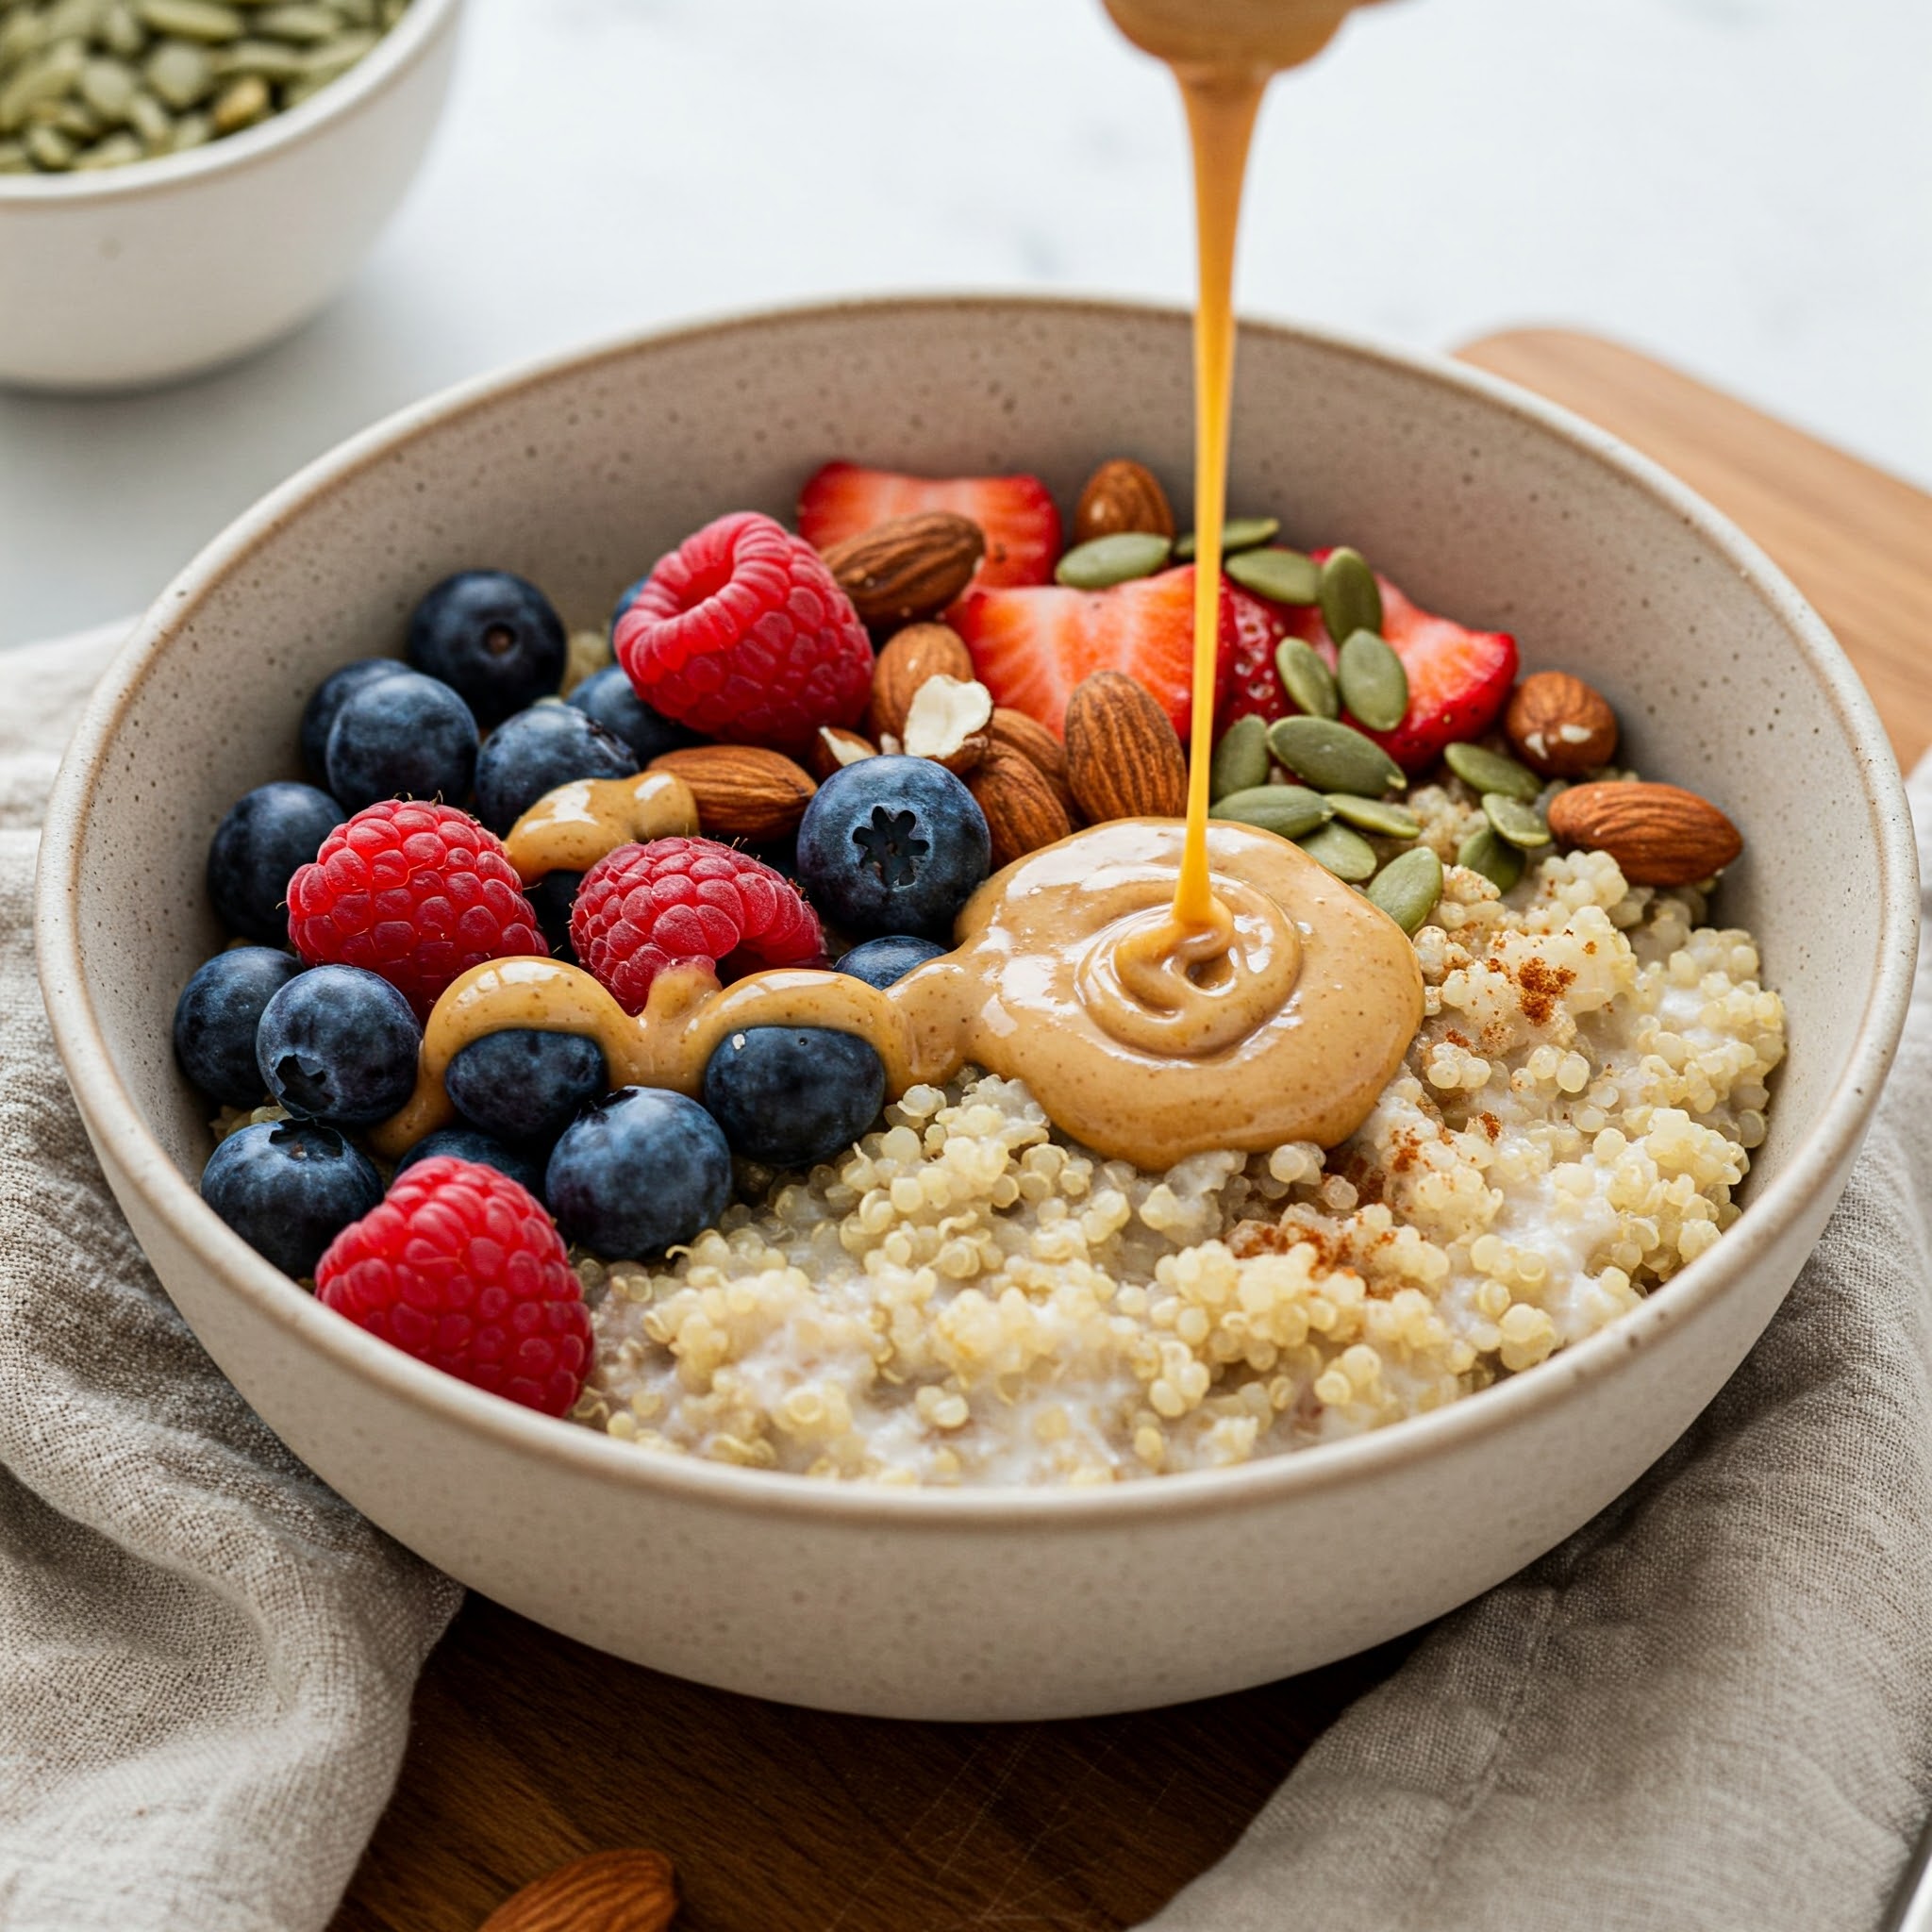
(879, 962)
(466, 1144)
(537, 751)
(329, 696)
(491, 635)
(267, 836)
(287, 1188)
(338, 1045)
(792, 1096)
(217, 1014)
(892, 846)
(553, 896)
(625, 598)
(402, 737)
(606, 696)
(642, 1170)
(525, 1084)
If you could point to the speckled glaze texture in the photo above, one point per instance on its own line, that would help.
(988, 1605)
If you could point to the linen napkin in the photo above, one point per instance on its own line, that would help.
(205, 1656)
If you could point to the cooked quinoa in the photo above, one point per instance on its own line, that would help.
(969, 1298)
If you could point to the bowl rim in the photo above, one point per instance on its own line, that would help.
(167, 1193)
(423, 23)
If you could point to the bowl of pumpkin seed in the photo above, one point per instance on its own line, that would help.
(184, 180)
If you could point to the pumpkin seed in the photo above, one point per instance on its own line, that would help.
(1307, 678)
(269, 59)
(1371, 680)
(356, 12)
(392, 11)
(1333, 758)
(191, 130)
(1350, 598)
(45, 79)
(241, 104)
(1289, 809)
(14, 159)
(20, 35)
(1489, 771)
(1380, 815)
(71, 19)
(120, 32)
(1498, 860)
(1103, 561)
(1240, 759)
(116, 151)
(74, 119)
(296, 21)
(1407, 887)
(150, 120)
(1237, 534)
(50, 149)
(192, 19)
(340, 54)
(1344, 853)
(181, 74)
(108, 86)
(1522, 824)
(1283, 577)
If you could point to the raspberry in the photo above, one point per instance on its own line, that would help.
(462, 1269)
(644, 908)
(415, 892)
(741, 632)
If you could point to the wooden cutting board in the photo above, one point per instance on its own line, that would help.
(529, 1750)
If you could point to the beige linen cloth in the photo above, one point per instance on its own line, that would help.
(1710, 1711)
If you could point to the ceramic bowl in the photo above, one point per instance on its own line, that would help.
(138, 274)
(985, 1604)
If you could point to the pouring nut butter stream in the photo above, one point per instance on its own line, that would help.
(1164, 987)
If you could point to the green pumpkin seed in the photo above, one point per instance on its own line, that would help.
(1522, 824)
(1350, 598)
(241, 104)
(116, 151)
(1104, 561)
(120, 32)
(47, 77)
(1407, 887)
(71, 19)
(1381, 816)
(21, 34)
(1240, 759)
(1288, 809)
(1307, 678)
(271, 60)
(50, 149)
(296, 21)
(108, 86)
(151, 121)
(1344, 853)
(74, 119)
(1371, 680)
(1498, 860)
(357, 13)
(1237, 534)
(1333, 758)
(14, 159)
(192, 19)
(1489, 771)
(180, 73)
(337, 56)
(1283, 577)
(191, 130)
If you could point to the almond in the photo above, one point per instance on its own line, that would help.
(1121, 495)
(1022, 812)
(1033, 741)
(947, 721)
(608, 1891)
(744, 791)
(1659, 835)
(907, 566)
(1560, 727)
(833, 747)
(1123, 759)
(918, 652)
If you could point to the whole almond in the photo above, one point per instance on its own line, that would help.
(744, 791)
(918, 652)
(1121, 495)
(1022, 811)
(907, 566)
(608, 1891)
(834, 748)
(1659, 835)
(1124, 757)
(1561, 727)
(1034, 741)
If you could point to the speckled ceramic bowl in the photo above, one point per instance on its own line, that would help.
(986, 1604)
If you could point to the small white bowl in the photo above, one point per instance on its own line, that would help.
(162, 268)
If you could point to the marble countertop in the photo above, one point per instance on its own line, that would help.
(1743, 187)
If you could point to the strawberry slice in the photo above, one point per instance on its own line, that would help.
(1032, 645)
(1023, 527)
(1246, 684)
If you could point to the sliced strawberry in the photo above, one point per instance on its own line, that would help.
(1246, 683)
(1023, 527)
(1032, 645)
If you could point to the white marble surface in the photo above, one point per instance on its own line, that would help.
(1744, 186)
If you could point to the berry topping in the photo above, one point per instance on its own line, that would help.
(287, 1188)
(1022, 526)
(492, 637)
(525, 1084)
(792, 1096)
(606, 696)
(894, 845)
(216, 1017)
(268, 833)
(883, 963)
(642, 1171)
(401, 737)
(414, 892)
(683, 902)
(338, 1045)
(1031, 647)
(741, 632)
(462, 1269)
(469, 1143)
(537, 751)
(328, 697)
(1246, 684)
